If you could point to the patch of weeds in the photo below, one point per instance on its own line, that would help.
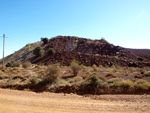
(138, 75)
(111, 74)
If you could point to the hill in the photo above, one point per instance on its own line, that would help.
(86, 51)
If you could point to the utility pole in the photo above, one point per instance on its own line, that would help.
(3, 49)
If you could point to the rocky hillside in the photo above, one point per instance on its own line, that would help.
(86, 51)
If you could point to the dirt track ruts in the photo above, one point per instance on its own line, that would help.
(13, 101)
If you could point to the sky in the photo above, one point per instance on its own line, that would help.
(121, 22)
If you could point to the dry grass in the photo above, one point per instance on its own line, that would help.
(142, 84)
(111, 74)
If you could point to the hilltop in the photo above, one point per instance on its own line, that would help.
(86, 51)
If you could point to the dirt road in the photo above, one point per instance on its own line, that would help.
(12, 101)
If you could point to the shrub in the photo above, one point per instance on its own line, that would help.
(51, 74)
(142, 84)
(17, 64)
(51, 51)
(33, 80)
(28, 46)
(147, 74)
(38, 51)
(26, 64)
(123, 83)
(10, 64)
(92, 81)
(45, 40)
(75, 67)
(127, 83)
(117, 66)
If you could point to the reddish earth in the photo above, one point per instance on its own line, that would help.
(89, 52)
(12, 101)
(145, 53)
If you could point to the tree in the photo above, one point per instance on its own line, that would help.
(45, 40)
(51, 51)
(38, 51)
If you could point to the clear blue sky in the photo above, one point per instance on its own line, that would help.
(121, 22)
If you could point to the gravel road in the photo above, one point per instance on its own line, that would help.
(13, 101)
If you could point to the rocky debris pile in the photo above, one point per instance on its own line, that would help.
(87, 52)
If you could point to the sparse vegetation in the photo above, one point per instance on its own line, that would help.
(98, 78)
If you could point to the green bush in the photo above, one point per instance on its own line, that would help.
(75, 67)
(38, 51)
(51, 74)
(92, 81)
(51, 51)
(45, 40)
(26, 64)
(10, 64)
